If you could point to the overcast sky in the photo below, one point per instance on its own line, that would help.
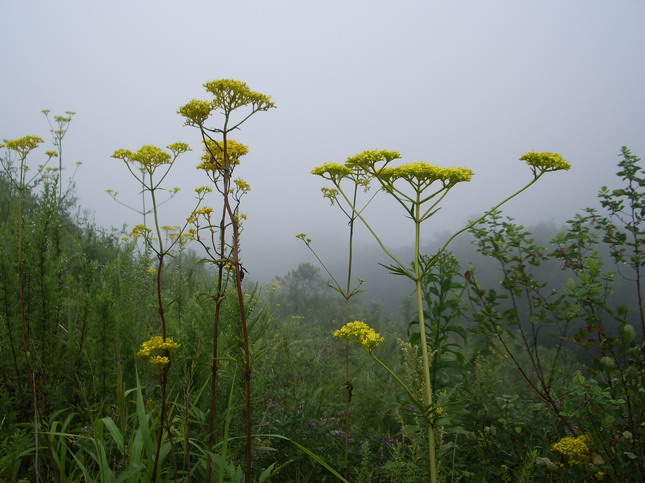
(454, 82)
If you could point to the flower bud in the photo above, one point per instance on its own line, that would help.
(628, 333)
(608, 363)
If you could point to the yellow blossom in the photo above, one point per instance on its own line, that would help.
(159, 361)
(425, 174)
(23, 145)
(229, 94)
(575, 449)
(157, 351)
(206, 210)
(332, 171)
(242, 185)
(178, 148)
(368, 159)
(330, 193)
(203, 189)
(214, 156)
(546, 161)
(140, 230)
(147, 156)
(360, 333)
(196, 112)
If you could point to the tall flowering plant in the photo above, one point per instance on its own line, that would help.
(358, 181)
(150, 166)
(220, 234)
(420, 188)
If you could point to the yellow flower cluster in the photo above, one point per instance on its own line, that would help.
(367, 159)
(140, 230)
(178, 148)
(23, 145)
(575, 449)
(203, 189)
(546, 161)
(330, 193)
(426, 173)
(206, 210)
(196, 112)
(157, 351)
(213, 157)
(229, 94)
(147, 156)
(242, 185)
(360, 333)
(332, 171)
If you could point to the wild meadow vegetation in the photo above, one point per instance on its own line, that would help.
(147, 356)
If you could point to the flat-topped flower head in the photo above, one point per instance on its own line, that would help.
(332, 171)
(203, 189)
(213, 157)
(368, 159)
(23, 145)
(157, 351)
(229, 94)
(148, 156)
(575, 449)
(425, 174)
(196, 112)
(330, 193)
(360, 333)
(546, 161)
(140, 230)
(179, 148)
(242, 185)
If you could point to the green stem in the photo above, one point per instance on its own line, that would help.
(427, 386)
(413, 397)
(376, 237)
(473, 223)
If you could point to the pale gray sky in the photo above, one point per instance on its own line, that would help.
(454, 82)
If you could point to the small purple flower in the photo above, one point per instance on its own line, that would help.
(271, 405)
(311, 424)
(339, 433)
(386, 443)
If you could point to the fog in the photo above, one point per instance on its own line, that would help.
(453, 83)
